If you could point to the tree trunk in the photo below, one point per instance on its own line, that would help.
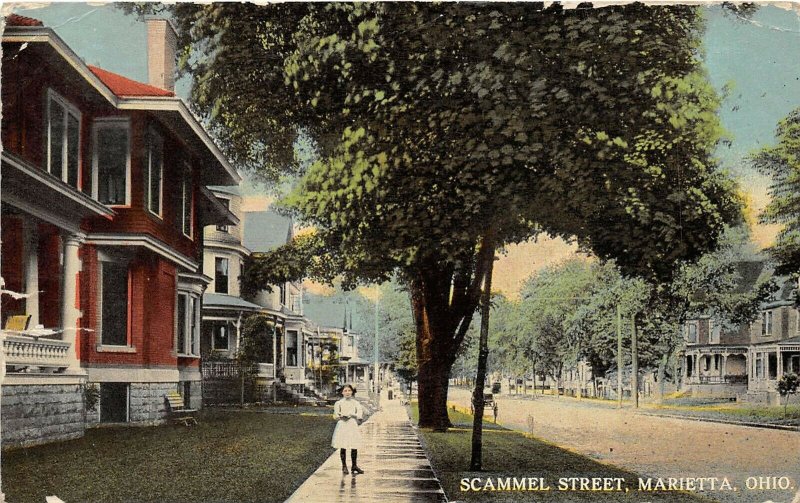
(487, 256)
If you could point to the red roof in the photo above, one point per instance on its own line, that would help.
(17, 20)
(123, 86)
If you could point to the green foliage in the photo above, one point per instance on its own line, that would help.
(787, 384)
(782, 163)
(442, 128)
(91, 396)
(256, 343)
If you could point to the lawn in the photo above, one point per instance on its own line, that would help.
(508, 453)
(231, 456)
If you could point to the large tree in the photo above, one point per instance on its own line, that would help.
(782, 163)
(442, 131)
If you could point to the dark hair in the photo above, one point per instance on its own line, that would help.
(348, 386)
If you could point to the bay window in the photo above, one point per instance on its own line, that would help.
(188, 324)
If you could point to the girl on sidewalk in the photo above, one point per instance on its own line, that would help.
(347, 435)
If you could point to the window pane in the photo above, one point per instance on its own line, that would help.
(181, 324)
(221, 337)
(195, 326)
(112, 161)
(56, 133)
(291, 348)
(73, 144)
(115, 304)
(154, 176)
(221, 275)
(227, 204)
(185, 212)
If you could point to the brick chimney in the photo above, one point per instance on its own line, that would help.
(161, 46)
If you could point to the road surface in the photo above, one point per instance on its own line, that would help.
(661, 447)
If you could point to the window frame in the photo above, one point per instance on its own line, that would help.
(111, 123)
(187, 201)
(297, 349)
(100, 295)
(67, 108)
(227, 275)
(689, 326)
(190, 324)
(153, 135)
(214, 327)
(766, 323)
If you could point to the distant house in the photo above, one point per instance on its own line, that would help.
(103, 206)
(745, 361)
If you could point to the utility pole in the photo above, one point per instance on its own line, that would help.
(375, 356)
(619, 358)
(634, 365)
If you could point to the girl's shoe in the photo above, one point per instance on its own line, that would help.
(344, 470)
(357, 470)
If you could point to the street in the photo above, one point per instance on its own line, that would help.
(661, 447)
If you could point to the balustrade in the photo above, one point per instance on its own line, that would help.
(31, 351)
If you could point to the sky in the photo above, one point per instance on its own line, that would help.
(757, 59)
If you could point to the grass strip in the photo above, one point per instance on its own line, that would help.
(511, 454)
(230, 456)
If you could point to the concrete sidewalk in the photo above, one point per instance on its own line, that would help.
(396, 468)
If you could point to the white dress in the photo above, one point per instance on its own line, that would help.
(347, 434)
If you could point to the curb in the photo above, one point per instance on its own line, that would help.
(768, 426)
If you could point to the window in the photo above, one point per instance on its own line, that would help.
(188, 326)
(114, 402)
(292, 343)
(184, 213)
(63, 139)
(691, 332)
(759, 365)
(713, 332)
(220, 275)
(221, 336)
(111, 162)
(766, 323)
(227, 204)
(114, 300)
(154, 172)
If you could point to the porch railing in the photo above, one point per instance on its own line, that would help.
(728, 379)
(28, 351)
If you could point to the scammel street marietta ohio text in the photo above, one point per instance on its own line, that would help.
(400, 252)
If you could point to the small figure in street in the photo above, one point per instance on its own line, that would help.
(347, 434)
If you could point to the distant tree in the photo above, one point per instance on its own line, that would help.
(787, 386)
(782, 163)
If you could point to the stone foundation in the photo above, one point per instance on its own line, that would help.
(37, 411)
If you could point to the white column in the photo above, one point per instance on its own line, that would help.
(31, 254)
(70, 314)
(724, 365)
(779, 372)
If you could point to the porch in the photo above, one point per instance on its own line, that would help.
(771, 362)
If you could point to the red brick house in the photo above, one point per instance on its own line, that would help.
(103, 208)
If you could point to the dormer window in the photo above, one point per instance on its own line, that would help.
(63, 139)
(111, 162)
(154, 172)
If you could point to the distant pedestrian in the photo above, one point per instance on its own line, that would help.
(347, 434)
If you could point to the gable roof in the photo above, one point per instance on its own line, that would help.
(266, 230)
(123, 86)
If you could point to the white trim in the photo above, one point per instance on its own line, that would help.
(111, 348)
(41, 176)
(32, 34)
(186, 185)
(68, 109)
(44, 214)
(145, 241)
(111, 123)
(131, 375)
(211, 245)
(191, 337)
(171, 104)
(154, 139)
(227, 259)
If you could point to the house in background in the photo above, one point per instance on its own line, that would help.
(224, 309)
(745, 362)
(104, 178)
